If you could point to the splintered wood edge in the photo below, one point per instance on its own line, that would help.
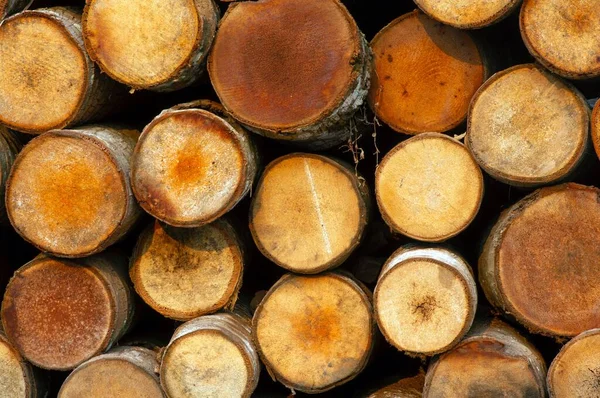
(511, 6)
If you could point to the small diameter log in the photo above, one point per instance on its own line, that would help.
(47, 80)
(596, 128)
(425, 300)
(192, 164)
(563, 35)
(538, 263)
(9, 7)
(123, 372)
(575, 371)
(9, 148)
(309, 212)
(150, 44)
(69, 192)
(527, 127)
(187, 272)
(409, 387)
(310, 69)
(211, 356)
(314, 333)
(429, 187)
(468, 14)
(59, 313)
(425, 74)
(17, 377)
(492, 361)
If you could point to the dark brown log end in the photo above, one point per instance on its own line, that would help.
(468, 14)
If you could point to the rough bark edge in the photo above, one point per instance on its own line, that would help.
(507, 10)
(367, 299)
(9, 7)
(364, 205)
(400, 147)
(34, 386)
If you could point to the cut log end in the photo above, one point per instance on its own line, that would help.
(409, 387)
(506, 136)
(15, 374)
(424, 199)
(468, 14)
(185, 273)
(300, 222)
(596, 128)
(404, 94)
(314, 332)
(563, 35)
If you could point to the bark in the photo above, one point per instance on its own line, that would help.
(9, 7)
(9, 148)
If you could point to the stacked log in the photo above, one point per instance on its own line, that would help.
(468, 14)
(17, 376)
(409, 387)
(9, 7)
(9, 148)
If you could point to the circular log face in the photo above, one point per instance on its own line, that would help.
(429, 187)
(66, 194)
(301, 53)
(308, 213)
(575, 372)
(527, 127)
(563, 35)
(58, 314)
(13, 378)
(44, 75)
(466, 14)
(596, 128)
(425, 74)
(185, 273)
(314, 332)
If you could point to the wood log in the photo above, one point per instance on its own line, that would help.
(468, 14)
(575, 371)
(596, 128)
(309, 75)
(492, 361)
(157, 45)
(123, 372)
(563, 35)
(409, 387)
(309, 212)
(425, 74)
(9, 7)
(9, 148)
(429, 187)
(59, 313)
(47, 80)
(186, 272)
(69, 192)
(211, 356)
(537, 263)
(192, 164)
(425, 299)
(17, 376)
(314, 333)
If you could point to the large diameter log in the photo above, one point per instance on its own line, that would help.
(192, 164)
(157, 45)
(17, 377)
(59, 313)
(47, 80)
(211, 356)
(309, 74)
(123, 372)
(9, 7)
(409, 387)
(538, 262)
(468, 14)
(492, 361)
(314, 333)
(9, 148)
(527, 127)
(429, 187)
(575, 371)
(69, 192)
(425, 74)
(425, 300)
(187, 272)
(563, 35)
(309, 212)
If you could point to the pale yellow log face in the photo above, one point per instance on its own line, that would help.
(467, 13)
(43, 77)
(12, 378)
(142, 43)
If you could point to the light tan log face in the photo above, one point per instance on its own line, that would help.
(279, 96)
(308, 213)
(124, 372)
(61, 313)
(563, 35)
(425, 74)
(425, 299)
(429, 187)
(575, 371)
(468, 14)
(166, 41)
(527, 127)
(314, 332)
(187, 272)
(410, 387)
(537, 261)
(191, 166)
(16, 375)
